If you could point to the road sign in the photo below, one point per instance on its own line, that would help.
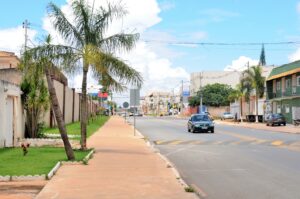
(125, 105)
(134, 97)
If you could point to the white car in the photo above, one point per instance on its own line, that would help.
(227, 115)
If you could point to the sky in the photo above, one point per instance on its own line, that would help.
(163, 24)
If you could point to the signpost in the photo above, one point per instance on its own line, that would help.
(125, 105)
(134, 102)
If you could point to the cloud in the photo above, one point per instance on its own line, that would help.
(12, 39)
(240, 64)
(298, 7)
(200, 35)
(294, 56)
(166, 5)
(157, 70)
(218, 15)
(159, 73)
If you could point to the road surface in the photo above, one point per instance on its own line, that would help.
(234, 162)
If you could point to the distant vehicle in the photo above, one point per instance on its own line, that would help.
(277, 119)
(200, 122)
(227, 115)
(138, 114)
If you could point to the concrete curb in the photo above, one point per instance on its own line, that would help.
(169, 164)
(88, 156)
(53, 170)
(251, 127)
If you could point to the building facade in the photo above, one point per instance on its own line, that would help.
(157, 103)
(283, 90)
(204, 78)
(249, 108)
(11, 114)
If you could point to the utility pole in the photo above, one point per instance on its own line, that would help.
(26, 26)
(181, 108)
(201, 105)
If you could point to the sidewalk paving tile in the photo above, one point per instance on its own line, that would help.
(123, 167)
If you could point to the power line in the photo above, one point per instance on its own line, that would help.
(222, 43)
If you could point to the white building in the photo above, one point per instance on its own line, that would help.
(157, 103)
(249, 108)
(204, 78)
(11, 114)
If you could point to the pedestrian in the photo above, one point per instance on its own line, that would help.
(235, 117)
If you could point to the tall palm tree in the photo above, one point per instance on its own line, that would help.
(254, 78)
(238, 94)
(86, 38)
(42, 56)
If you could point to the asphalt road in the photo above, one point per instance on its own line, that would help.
(232, 163)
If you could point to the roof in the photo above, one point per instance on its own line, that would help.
(284, 70)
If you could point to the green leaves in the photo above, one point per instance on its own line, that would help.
(213, 95)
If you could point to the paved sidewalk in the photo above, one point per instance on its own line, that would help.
(21, 189)
(285, 129)
(123, 167)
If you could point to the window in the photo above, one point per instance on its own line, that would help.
(278, 85)
(287, 83)
(287, 108)
(298, 81)
(278, 108)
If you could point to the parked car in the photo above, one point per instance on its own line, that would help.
(227, 115)
(200, 122)
(277, 119)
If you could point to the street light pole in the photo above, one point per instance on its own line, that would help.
(201, 105)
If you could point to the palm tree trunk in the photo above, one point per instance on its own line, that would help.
(59, 117)
(83, 121)
(241, 109)
(256, 101)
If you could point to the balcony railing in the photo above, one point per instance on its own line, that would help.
(292, 91)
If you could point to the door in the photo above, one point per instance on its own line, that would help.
(9, 131)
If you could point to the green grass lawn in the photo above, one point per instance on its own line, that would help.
(74, 128)
(37, 161)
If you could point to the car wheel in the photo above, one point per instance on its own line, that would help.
(193, 130)
(272, 124)
(267, 124)
(284, 124)
(189, 130)
(212, 131)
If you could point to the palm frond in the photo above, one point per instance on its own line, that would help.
(119, 42)
(117, 68)
(103, 17)
(63, 26)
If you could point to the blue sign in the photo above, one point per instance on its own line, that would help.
(185, 93)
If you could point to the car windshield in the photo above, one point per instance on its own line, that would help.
(226, 113)
(197, 118)
(277, 116)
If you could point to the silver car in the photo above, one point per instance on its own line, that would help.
(227, 115)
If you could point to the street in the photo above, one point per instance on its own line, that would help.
(234, 162)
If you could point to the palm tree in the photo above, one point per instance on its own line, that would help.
(238, 94)
(254, 80)
(42, 57)
(87, 41)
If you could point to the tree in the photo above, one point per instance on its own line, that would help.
(253, 78)
(238, 94)
(43, 55)
(262, 58)
(213, 95)
(86, 39)
(35, 97)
